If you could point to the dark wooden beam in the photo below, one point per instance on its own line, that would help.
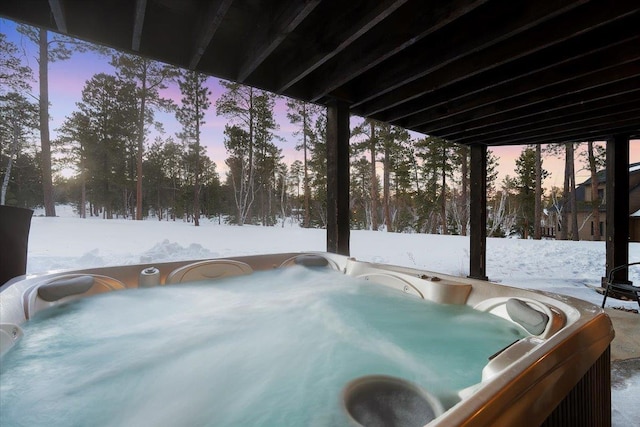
(504, 27)
(560, 106)
(273, 32)
(579, 56)
(588, 110)
(580, 135)
(338, 133)
(478, 217)
(584, 124)
(593, 86)
(357, 23)
(468, 64)
(378, 45)
(473, 113)
(216, 11)
(617, 199)
(57, 10)
(138, 23)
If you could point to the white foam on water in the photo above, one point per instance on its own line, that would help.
(268, 349)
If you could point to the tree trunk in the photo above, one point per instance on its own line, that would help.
(143, 100)
(374, 179)
(7, 173)
(196, 195)
(307, 189)
(83, 189)
(595, 200)
(443, 199)
(537, 235)
(574, 205)
(385, 188)
(45, 143)
(464, 218)
(564, 215)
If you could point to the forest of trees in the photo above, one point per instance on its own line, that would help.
(125, 166)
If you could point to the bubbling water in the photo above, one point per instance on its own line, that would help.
(272, 349)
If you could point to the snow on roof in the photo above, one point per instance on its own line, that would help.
(636, 213)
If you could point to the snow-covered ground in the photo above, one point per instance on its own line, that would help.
(563, 267)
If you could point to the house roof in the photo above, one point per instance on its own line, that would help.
(634, 168)
(473, 71)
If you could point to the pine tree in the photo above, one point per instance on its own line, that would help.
(303, 114)
(526, 182)
(18, 116)
(18, 120)
(252, 160)
(104, 129)
(537, 217)
(58, 48)
(393, 141)
(436, 168)
(14, 77)
(149, 77)
(595, 159)
(195, 102)
(318, 169)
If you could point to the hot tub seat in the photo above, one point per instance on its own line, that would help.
(515, 310)
(311, 260)
(64, 288)
(208, 270)
(432, 288)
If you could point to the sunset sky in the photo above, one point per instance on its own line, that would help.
(67, 78)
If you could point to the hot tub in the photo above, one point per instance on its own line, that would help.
(549, 364)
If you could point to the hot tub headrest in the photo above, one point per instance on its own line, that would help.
(58, 289)
(529, 318)
(311, 260)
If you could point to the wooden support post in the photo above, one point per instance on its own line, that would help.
(478, 213)
(617, 200)
(338, 177)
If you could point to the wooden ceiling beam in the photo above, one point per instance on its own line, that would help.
(560, 105)
(541, 126)
(591, 135)
(522, 74)
(216, 11)
(601, 128)
(574, 90)
(57, 10)
(273, 32)
(540, 85)
(585, 110)
(582, 20)
(455, 42)
(379, 45)
(297, 68)
(138, 23)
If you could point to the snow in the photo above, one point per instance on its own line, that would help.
(561, 267)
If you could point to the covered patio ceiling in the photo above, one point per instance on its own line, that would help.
(492, 72)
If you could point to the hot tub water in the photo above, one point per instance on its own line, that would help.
(273, 348)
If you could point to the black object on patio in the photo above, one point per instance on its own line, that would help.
(14, 237)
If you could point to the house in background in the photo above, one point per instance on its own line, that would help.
(586, 225)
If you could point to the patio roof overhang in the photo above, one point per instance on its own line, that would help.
(472, 71)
